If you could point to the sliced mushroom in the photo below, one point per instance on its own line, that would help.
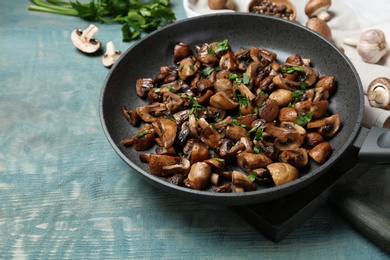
(263, 176)
(326, 82)
(188, 67)
(235, 132)
(282, 173)
(222, 101)
(282, 96)
(297, 158)
(157, 162)
(143, 139)
(182, 167)
(84, 41)
(241, 182)
(166, 130)
(261, 55)
(210, 136)
(176, 179)
(269, 111)
(131, 116)
(111, 55)
(287, 114)
(199, 176)
(143, 86)
(149, 113)
(172, 101)
(181, 51)
(224, 85)
(285, 83)
(289, 136)
(327, 127)
(206, 53)
(199, 153)
(321, 152)
(228, 61)
(250, 161)
(312, 139)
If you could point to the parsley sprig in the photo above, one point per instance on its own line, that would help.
(136, 16)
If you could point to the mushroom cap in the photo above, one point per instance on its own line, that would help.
(318, 8)
(378, 93)
(84, 41)
(320, 26)
(282, 172)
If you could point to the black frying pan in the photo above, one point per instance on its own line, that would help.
(242, 30)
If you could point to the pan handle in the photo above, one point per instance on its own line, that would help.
(376, 146)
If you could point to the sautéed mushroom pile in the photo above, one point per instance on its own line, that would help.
(233, 120)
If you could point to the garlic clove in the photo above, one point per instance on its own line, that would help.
(371, 46)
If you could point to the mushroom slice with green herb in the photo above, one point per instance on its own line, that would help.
(241, 182)
(143, 139)
(150, 113)
(166, 130)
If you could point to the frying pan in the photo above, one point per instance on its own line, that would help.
(285, 38)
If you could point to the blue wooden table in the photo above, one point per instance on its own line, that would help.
(65, 194)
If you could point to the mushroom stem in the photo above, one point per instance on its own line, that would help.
(89, 32)
(351, 42)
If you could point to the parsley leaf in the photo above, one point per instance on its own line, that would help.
(303, 119)
(252, 176)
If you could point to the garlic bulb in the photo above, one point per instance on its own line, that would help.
(372, 45)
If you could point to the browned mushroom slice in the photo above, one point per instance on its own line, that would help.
(143, 139)
(319, 108)
(285, 83)
(228, 149)
(162, 151)
(198, 153)
(320, 94)
(205, 53)
(321, 152)
(311, 75)
(312, 139)
(287, 114)
(262, 55)
(235, 132)
(149, 113)
(282, 173)
(289, 136)
(157, 162)
(267, 83)
(217, 164)
(167, 130)
(268, 148)
(181, 116)
(210, 136)
(263, 176)
(249, 120)
(131, 116)
(241, 182)
(245, 91)
(294, 60)
(269, 111)
(253, 69)
(282, 96)
(172, 101)
(223, 188)
(222, 101)
(249, 161)
(228, 61)
(205, 98)
(143, 86)
(327, 127)
(199, 176)
(243, 56)
(176, 179)
(188, 67)
(326, 82)
(297, 158)
(224, 85)
(182, 167)
(181, 51)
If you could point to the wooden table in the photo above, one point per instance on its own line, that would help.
(65, 194)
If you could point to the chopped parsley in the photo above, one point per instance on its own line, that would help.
(303, 119)
(222, 45)
(235, 122)
(242, 99)
(143, 133)
(292, 69)
(252, 176)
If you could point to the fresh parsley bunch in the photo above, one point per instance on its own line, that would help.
(136, 16)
